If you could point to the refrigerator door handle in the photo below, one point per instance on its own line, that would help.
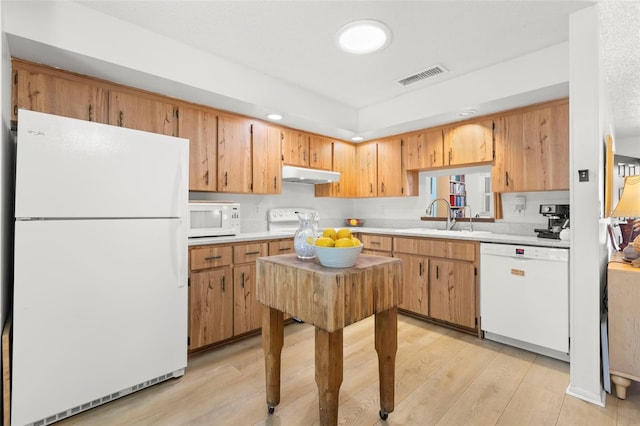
(181, 239)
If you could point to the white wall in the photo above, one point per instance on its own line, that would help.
(589, 122)
(628, 146)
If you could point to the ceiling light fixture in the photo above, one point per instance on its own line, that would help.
(364, 36)
(357, 138)
(274, 116)
(467, 112)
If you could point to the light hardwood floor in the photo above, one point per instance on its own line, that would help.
(442, 378)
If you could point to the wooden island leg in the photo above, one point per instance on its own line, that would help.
(328, 374)
(386, 341)
(272, 341)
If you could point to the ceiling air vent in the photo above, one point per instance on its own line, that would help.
(428, 73)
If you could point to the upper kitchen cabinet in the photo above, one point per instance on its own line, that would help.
(320, 152)
(234, 154)
(37, 88)
(366, 168)
(199, 125)
(424, 149)
(469, 143)
(266, 152)
(141, 112)
(344, 158)
(392, 176)
(532, 149)
(295, 148)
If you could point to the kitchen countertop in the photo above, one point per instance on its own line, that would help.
(485, 237)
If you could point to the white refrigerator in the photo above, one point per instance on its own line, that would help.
(100, 278)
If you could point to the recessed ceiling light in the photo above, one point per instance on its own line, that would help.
(467, 112)
(364, 36)
(274, 116)
(357, 138)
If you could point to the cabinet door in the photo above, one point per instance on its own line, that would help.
(210, 307)
(390, 173)
(452, 295)
(234, 154)
(267, 153)
(295, 148)
(415, 290)
(344, 157)
(320, 152)
(424, 150)
(247, 309)
(469, 143)
(200, 127)
(50, 94)
(508, 173)
(136, 111)
(366, 183)
(546, 148)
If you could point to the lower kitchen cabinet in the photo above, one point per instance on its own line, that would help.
(415, 283)
(247, 312)
(210, 307)
(452, 292)
(379, 245)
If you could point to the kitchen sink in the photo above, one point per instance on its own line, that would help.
(442, 232)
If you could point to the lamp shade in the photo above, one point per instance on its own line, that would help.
(629, 204)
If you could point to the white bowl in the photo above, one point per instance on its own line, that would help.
(338, 257)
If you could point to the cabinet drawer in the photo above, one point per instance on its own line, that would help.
(209, 257)
(244, 253)
(376, 242)
(280, 247)
(462, 250)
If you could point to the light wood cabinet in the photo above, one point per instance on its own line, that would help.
(320, 152)
(532, 149)
(424, 150)
(623, 290)
(469, 143)
(280, 247)
(380, 245)
(295, 148)
(266, 177)
(234, 154)
(452, 292)
(366, 184)
(415, 283)
(54, 93)
(199, 125)
(246, 309)
(440, 279)
(390, 171)
(344, 158)
(136, 111)
(210, 307)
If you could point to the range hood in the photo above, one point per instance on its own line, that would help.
(311, 176)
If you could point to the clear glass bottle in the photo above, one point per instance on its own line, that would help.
(305, 236)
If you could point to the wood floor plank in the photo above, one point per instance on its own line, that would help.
(532, 406)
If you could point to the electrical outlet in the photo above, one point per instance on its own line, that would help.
(583, 175)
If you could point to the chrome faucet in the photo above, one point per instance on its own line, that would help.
(470, 217)
(450, 222)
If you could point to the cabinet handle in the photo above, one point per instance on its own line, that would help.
(338, 187)
(450, 155)
(206, 177)
(121, 118)
(275, 183)
(371, 188)
(222, 282)
(315, 157)
(249, 253)
(506, 178)
(304, 156)
(437, 273)
(242, 280)
(15, 110)
(212, 257)
(284, 249)
(375, 242)
(225, 179)
(90, 112)
(382, 187)
(420, 267)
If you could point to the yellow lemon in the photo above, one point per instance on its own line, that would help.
(325, 242)
(356, 242)
(344, 242)
(330, 233)
(344, 233)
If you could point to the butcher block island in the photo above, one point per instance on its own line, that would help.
(330, 299)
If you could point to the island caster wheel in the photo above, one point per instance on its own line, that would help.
(271, 409)
(383, 414)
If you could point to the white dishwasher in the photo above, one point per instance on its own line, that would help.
(524, 297)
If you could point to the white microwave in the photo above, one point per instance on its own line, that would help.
(213, 219)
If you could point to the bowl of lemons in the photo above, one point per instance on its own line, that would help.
(337, 249)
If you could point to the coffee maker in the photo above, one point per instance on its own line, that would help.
(558, 219)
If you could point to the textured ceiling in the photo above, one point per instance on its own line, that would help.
(294, 41)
